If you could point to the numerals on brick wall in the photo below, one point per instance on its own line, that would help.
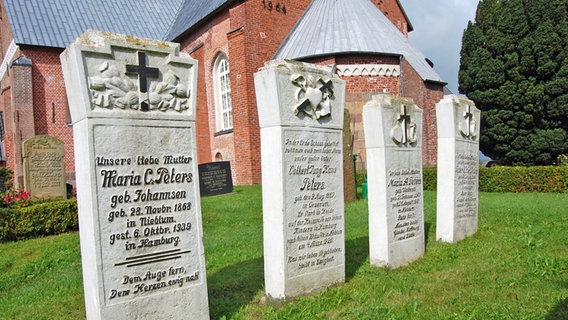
(276, 6)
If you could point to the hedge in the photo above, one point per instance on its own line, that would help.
(42, 219)
(508, 179)
(524, 179)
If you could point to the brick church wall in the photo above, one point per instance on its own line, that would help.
(360, 89)
(50, 100)
(425, 95)
(248, 34)
(392, 10)
(6, 89)
(205, 44)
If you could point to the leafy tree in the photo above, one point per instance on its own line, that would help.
(514, 65)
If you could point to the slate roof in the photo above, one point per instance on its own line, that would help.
(327, 27)
(191, 13)
(330, 27)
(57, 23)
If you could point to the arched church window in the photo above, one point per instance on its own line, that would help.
(223, 104)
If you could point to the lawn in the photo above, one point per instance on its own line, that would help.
(514, 267)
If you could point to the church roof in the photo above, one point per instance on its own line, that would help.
(191, 13)
(57, 23)
(331, 27)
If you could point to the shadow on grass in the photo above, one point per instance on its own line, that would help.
(427, 226)
(356, 253)
(560, 310)
(233, 287)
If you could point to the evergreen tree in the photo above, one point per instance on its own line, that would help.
(514, 65)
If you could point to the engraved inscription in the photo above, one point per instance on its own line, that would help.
(315, 226)
(467, 173)
(148, 225)
(44, 171)
(404, 188)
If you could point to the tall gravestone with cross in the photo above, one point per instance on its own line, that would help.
(393, 128)
(458, 168)
(300, 110)
(132, 104)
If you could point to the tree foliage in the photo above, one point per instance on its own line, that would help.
(514, 65)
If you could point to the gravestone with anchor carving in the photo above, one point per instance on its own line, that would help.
(458, 168)
(132, 104)
(393, 128)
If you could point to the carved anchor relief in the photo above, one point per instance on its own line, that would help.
(404, 131)
(112, 90)
(468, 126)
(314, 97)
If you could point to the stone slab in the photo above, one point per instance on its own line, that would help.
(393, 128)
(44, 167)
(349, 186)
(137, 178)
(301, 119)
(458, 168)
(215, 178)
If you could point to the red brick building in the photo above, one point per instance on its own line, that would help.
(231, 40)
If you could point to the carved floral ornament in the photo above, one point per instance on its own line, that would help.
(113, 90)
(313, 96)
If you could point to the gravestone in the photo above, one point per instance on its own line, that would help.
(300, 110)
(44, 167)
(132, 104)
(458, 168)
(215, 178)
(349, 186)
(393, 139)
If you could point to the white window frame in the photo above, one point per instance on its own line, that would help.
(223, 102)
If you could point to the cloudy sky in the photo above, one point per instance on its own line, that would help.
(438, 30)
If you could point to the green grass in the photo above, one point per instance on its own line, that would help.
(514, 267)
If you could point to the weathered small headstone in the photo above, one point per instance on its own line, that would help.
(215, 178)
(349, 185)
(458, 168)
(44, 167)
(132, 105)
(300, 110)
(393, 139)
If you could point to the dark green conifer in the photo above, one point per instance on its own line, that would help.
(514, 65)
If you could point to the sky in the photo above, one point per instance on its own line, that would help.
(438, 30)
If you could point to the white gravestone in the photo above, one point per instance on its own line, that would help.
(393, 140)
(300, 110)
(132, 103)
(458, 168)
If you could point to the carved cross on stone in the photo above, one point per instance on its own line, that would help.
(326, 87)
(143, 73)
(469, 126)
(404, 132)
(404, 120)
(314, 96)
